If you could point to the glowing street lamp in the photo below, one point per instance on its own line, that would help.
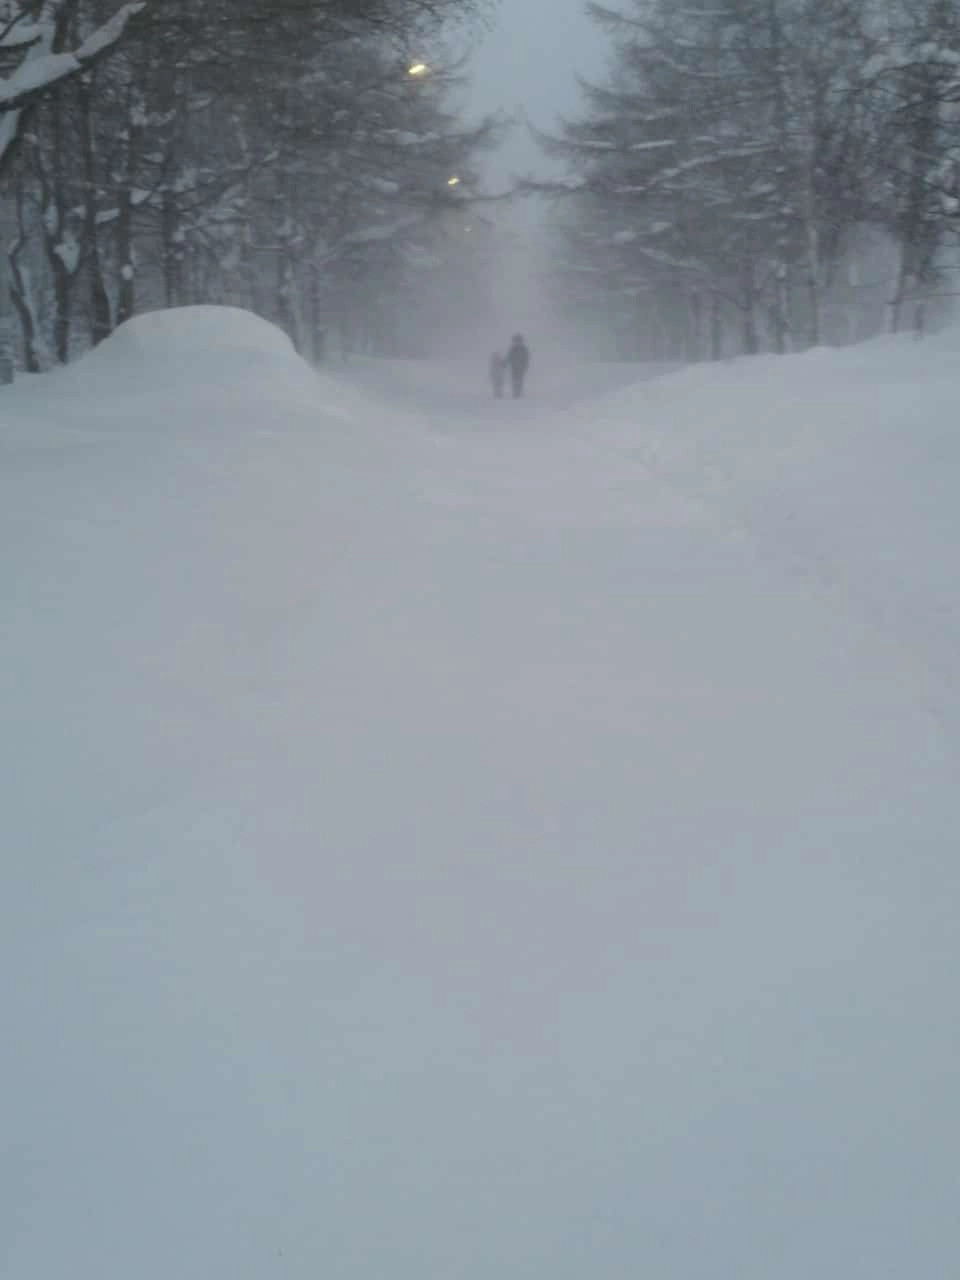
(418, 70)
(453, 181)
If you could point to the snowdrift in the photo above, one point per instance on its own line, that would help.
(844, 465)
(190, 345)
(435, 847)
(188, 370)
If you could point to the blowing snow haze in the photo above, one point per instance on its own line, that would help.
(459, 835)
(526, 65)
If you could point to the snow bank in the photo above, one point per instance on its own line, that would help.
(177, 349)
(842, 464)
(187, 369)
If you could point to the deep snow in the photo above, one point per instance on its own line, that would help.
(455, 838)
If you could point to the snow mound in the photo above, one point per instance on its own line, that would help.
(205, 365)
(191, 345)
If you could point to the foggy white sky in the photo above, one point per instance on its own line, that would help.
(526, 66)
(528, 63)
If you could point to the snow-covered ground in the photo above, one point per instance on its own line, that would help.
(446, 838)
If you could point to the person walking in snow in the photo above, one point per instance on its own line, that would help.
(518, 358)
(498, 371)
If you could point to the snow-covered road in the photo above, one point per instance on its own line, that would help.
(447, 841)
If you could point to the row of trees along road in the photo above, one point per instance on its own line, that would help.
(292, 156)
(761, 174)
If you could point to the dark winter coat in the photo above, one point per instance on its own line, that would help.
(518, 358)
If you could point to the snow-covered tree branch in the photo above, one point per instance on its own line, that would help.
(43, 66)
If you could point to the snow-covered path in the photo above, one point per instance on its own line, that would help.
(444, 845)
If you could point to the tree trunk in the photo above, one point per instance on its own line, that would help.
(695, 328)
(284, 310)
(101, 319)
(903, 289)
(317, 330)
(63, 306)
(9, 123)
(20, 296)
(716, 329)
(60, 267)
(779, 312)
(101, 314)
(6, 323)
(748, 310)
(172, 292)
(813, 281)
(19, 286)
(126, 294)
(751, 342)
(780, 319)
(919, 233)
